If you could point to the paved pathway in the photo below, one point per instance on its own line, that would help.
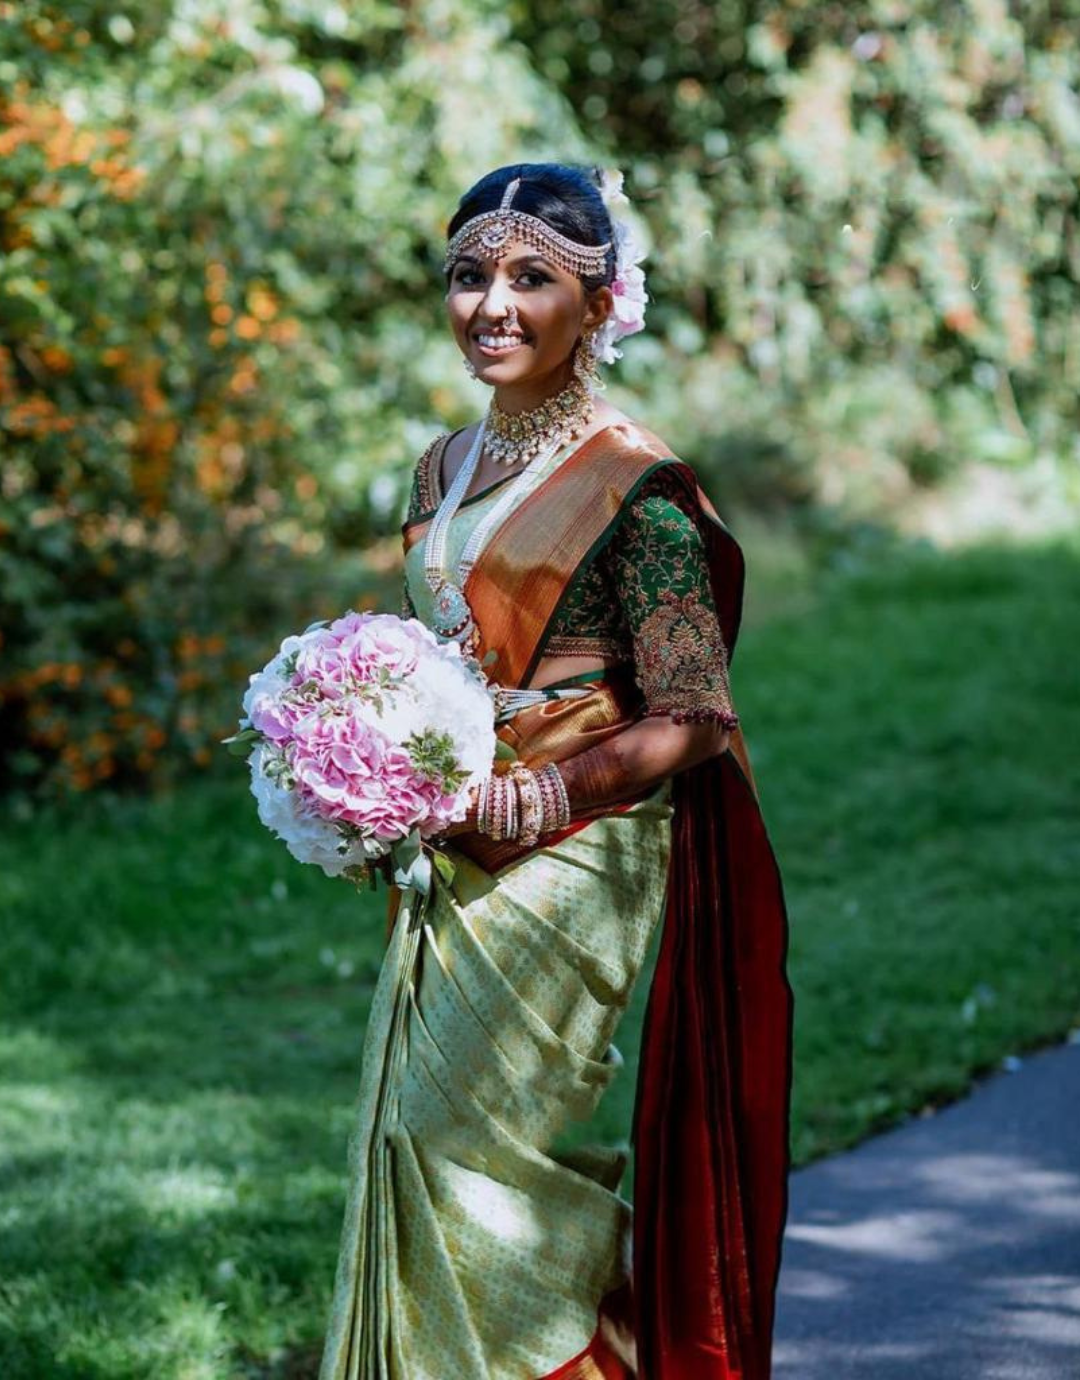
(947, 1249)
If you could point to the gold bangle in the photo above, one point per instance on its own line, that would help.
(511, 828)
(499, 832)
(532, 804)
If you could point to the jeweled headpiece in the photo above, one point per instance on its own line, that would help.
(491, 232)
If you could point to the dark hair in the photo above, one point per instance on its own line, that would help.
(563, 195)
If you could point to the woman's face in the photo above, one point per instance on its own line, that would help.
(553, 310)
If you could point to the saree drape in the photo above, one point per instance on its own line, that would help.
(471, 1247)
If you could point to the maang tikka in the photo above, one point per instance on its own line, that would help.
(520, 438)
(491, 232)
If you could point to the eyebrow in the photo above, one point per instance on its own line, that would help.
(519, 259)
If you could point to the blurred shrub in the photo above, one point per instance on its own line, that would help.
(865, 220)
(221, 345)
(220, 274)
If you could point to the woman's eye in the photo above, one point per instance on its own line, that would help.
(531, 277)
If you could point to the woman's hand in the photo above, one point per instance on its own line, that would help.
(637, 760)
(466, 825)
(625, 766)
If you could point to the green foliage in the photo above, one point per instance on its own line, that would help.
(434, 756)
(217, 351)
(221, 335)
(865, 221)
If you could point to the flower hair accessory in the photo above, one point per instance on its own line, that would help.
(628, 284)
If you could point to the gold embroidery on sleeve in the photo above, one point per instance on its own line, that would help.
(682, 661)
(585, 644)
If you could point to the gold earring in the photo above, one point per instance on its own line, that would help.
(586, 365)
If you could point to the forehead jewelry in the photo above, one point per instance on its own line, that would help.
(492, 231)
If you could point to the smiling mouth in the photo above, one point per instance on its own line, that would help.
(497, 344)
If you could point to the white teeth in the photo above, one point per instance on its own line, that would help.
(498, 342)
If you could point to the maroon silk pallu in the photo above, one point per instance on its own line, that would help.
(710, 1130)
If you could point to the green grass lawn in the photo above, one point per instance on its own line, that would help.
(183, 1006)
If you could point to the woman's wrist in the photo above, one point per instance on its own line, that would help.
(467, 825)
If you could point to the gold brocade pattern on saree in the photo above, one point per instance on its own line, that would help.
(474, 1246)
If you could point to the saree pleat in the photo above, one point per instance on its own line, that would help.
(474, 1243)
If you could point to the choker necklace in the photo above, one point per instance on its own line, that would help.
(511, 437)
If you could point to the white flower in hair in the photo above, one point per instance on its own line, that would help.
(611, 188)
(628, 284)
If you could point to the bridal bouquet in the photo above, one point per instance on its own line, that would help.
(364, 737)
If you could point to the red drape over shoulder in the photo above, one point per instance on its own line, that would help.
(711, 1118)
(711, 1121)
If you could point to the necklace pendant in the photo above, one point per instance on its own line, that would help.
(451, 615)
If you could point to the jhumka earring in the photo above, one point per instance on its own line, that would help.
(586, 368)
(469, 366)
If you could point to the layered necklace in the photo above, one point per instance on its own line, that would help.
(537, 442)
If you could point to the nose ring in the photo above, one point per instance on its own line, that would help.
(511, 318)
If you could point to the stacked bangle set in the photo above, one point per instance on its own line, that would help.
(523, 804)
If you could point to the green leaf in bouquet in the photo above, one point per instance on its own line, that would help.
(433, 755)
(361, 874)
(412, 867)
(504, 752)
(443, 866)
(240, 744)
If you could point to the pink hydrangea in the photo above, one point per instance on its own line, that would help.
(346, 769)
(355, 648)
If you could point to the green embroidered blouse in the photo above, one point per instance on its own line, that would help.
(643, 599)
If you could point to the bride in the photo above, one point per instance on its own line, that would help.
(577, 559)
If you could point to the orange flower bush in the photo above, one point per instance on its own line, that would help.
(206, 352)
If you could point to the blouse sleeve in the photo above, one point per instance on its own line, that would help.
(659, 569)
(415, 506)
